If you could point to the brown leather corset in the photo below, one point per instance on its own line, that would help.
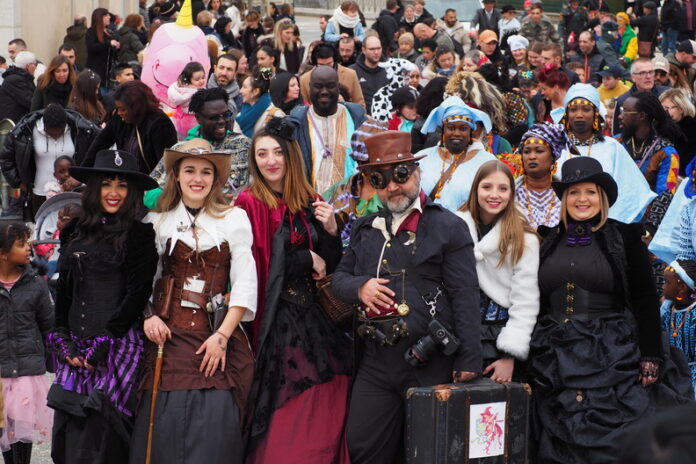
(211, 266)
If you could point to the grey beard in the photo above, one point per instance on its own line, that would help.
(403, 205)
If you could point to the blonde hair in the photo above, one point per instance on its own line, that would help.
(603, 208)
(281, 26)
(297, 192)
(513, 223)
(204, 18)
(682, 99)
(215, 203)
(408, 38)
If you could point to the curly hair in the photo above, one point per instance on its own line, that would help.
(475, 91)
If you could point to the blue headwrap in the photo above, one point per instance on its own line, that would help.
(453, 109)
(585, 91)
(553, 134)
(690, 189)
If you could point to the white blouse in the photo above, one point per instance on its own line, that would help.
(234, 228)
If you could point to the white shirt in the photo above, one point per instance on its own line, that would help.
(234, 228)
(46, 151)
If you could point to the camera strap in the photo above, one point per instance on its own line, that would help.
(429, 298)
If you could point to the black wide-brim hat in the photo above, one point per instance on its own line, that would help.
(585, 169)
(116, 162)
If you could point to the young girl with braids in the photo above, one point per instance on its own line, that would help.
(678, 319)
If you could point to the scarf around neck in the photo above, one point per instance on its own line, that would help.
(251, 113)
(345, 20)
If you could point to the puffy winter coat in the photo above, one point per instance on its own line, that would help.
(26, 316)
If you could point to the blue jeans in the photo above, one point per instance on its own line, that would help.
(669, 41)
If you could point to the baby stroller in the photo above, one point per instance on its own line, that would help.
(45, 241)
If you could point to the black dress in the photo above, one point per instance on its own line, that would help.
(299, 347)
(599, 318)
(101, 295)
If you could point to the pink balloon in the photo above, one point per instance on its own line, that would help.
(171, 48)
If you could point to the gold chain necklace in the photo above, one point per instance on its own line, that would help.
(637, 153)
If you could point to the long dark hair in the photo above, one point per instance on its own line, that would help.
(94, 226)
(139, 99)
(98, 23)
(662, 123)
(83, 97)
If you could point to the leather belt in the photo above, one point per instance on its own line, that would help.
(385, 331)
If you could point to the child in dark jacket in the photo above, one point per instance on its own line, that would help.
(26, 317)
(404, 104)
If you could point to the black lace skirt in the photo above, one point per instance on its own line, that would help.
(585, 387)
(303, 349)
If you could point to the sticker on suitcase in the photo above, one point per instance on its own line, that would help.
(487, 430)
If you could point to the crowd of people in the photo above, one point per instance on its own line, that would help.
(258, 264)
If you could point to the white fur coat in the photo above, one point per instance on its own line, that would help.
(511, 286)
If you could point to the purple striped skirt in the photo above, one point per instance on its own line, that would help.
(117, 377)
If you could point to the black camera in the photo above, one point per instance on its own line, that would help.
(438, 335)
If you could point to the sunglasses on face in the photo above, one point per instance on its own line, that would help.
(216, 117)
(401, 173)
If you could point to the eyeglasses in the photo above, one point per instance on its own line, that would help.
(661, 73)
(216, 117)
(669, 108)
(380, 178)
(643, 73)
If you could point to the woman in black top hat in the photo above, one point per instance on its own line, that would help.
(107, 263)
(596, 353)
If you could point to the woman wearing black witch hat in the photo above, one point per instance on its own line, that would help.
(107, 263)
(597, 359)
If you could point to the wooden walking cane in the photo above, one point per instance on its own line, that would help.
(155, 386)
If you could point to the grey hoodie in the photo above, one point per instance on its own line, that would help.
(232, 90)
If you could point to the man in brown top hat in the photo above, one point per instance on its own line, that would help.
(411, 269)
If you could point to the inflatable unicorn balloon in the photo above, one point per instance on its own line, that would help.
(173, 45)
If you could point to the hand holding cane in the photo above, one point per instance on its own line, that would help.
(155, 386)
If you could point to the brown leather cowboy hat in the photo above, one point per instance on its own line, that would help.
(198, 148)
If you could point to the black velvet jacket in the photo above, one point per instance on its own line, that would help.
(101, 291)
(633, 276)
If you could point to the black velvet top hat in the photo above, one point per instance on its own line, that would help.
(585, 169)
(117, 162)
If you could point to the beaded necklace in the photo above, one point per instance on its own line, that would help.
(685, 316)
(530, 215)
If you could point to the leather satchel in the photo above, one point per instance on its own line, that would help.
(338, 311)
(162, 296)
